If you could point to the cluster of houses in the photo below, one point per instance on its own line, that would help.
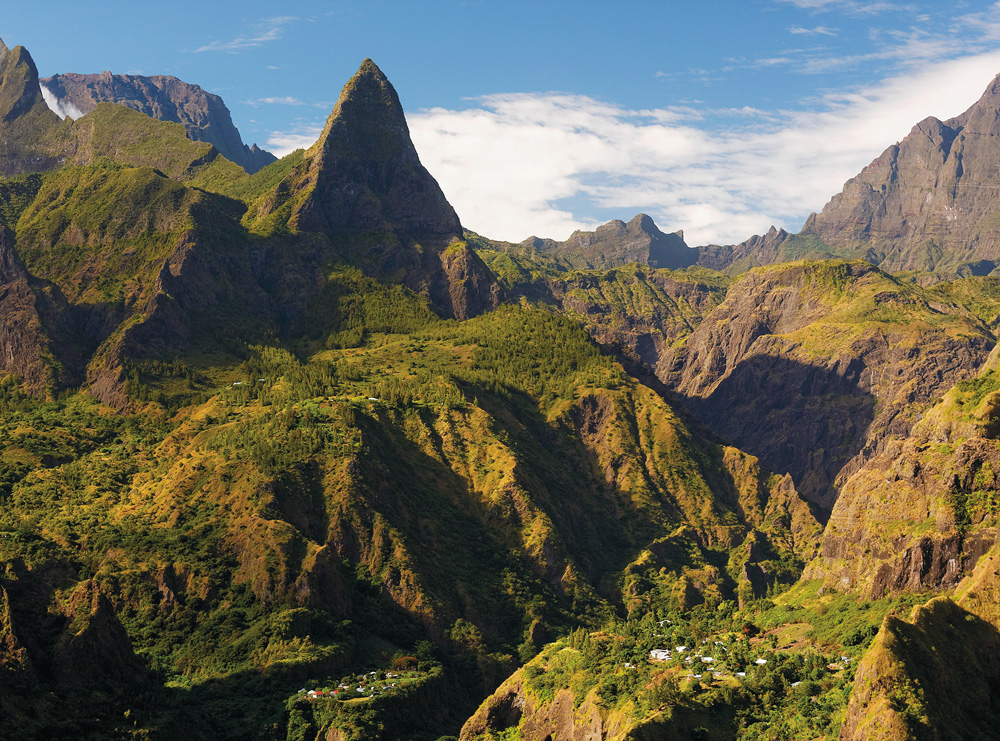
(695, 657)
(365, 686)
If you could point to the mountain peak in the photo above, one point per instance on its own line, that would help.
(644, 223)
(368, 100)
(616, 243)
(366, 170)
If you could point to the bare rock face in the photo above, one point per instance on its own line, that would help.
(203, 114)
(758, 250)
(917, 515)
(365, 173)
(777, 371)
(928, 202)
(616, 244)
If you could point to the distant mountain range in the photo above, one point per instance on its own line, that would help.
(204, 115)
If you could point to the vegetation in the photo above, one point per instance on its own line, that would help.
(774, 670)
(343, 492)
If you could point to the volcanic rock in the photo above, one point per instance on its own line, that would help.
(204, 115)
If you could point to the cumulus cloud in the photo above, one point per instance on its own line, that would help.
(546, 164)
(62, 108)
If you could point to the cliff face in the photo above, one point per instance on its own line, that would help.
(919, 515)
(32, 138)
(616, 244)
(928, 202)
(204, 115)
(812, 366)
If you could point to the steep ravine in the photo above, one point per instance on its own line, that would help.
(813, 366)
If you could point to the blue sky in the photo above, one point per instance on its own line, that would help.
(719, 118)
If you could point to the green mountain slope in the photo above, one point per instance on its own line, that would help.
(351, 488)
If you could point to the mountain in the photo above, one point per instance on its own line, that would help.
(172, 266)
(616, 244)
(290, 454)
(32, 138)
(204, 115)
(926, 204)
(362, 185)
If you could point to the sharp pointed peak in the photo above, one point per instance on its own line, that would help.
(368, 67)
(3, 47)
(367, 101)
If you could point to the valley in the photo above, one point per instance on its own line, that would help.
(286, 452)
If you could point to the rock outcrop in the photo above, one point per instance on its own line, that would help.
(812, 366)
(616, 244)
(204, 115)
(929, 202)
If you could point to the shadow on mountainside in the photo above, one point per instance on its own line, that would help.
(800, 419)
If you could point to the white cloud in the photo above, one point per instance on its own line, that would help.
(62, 108)
(850, 7)
(269, 29)
(546, 164)
(302, 136)
(273, 101)
(815, 31)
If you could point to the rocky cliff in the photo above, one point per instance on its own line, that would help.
(921, 513)
(928, 202)
(812, 366)
(616, 244)
(204, 115)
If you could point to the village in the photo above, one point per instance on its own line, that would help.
(729, 658)
(367, 685)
